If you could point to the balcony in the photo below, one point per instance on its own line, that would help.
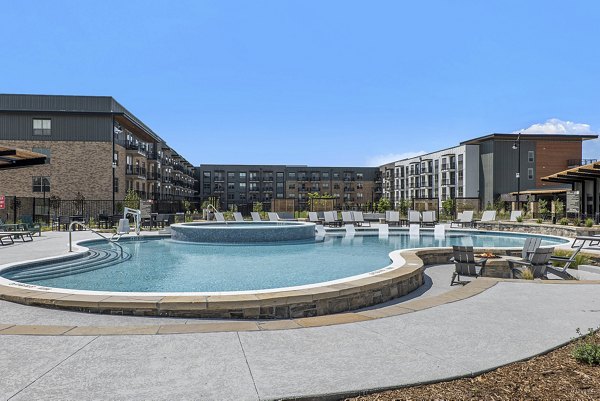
(136, 170)
(446, 167)
(137, 147)
(153, 175)
(572, 163)
(447, 182)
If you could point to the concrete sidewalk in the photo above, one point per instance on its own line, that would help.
(505, 323)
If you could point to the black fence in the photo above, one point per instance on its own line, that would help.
(44, 210)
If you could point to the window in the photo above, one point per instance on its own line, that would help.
(231, 186)
(359, 176)
(530, 173)
(292, 176)
(230, 176)
(325, 175)
(43, 151)
(41, 184)
(279, 176)
(116, 158)
(242, 176)
(242, 186)
(530, 156)
(42, 126)
(116, 185)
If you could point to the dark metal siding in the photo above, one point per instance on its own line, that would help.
(506, 166)
(90, 104)
(65, 127)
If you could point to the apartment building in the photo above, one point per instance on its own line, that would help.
(243, 184)
(94, 147)
(483, 168)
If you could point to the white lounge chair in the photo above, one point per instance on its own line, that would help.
(428, 218)
(347, 218)
(488, 217)
(330, 219)
(313, 217)
(414, 217)
(273, 216)
(515, 214)
(393, 217)
(219, 216)
(359, 219)
(465, 219)
(255, 216)
(238, 216)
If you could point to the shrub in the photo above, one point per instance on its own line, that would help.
(519, 219)
(527, 274)
(539, 221)
(589, 222)
(564, 221)
(576, 222)
(383, 205)
(587, 349)
(580, 259)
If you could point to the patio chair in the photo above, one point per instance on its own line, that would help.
(347, 218)
(530, 246)
(313, 217)
(464, 219)
(16, 234)
(359, 219)
(488, 217)
(4, 238)
(219, 217)
(414, 217)
(515, 214)
(465, 264)
(238, 216)
(393, 217)
(566, 261)
(330, 219)
(273, 216)
(29, 225)
(537, 263)
(255, 216)
(428, 218)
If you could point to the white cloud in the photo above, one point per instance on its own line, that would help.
(378, 160)
(557, 126)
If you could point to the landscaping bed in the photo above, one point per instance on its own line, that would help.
(554, 376)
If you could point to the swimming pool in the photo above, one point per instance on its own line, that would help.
(164, 265)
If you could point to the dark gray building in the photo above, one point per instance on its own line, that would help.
(245, 184)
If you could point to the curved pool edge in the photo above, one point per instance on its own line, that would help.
(402, 276)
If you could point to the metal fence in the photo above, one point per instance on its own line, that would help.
(43, 210)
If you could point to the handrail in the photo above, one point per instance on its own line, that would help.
(81, 224)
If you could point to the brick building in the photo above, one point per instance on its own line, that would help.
(94, 147)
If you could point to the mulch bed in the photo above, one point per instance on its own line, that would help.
(554, 376)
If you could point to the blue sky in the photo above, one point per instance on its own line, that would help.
(311, 82)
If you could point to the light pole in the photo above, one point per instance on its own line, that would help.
(517, 146)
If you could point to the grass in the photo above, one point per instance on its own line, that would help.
(580, 259)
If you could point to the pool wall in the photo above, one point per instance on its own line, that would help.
(242, 232)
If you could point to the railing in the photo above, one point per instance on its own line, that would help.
(80, 224)
(580, 162)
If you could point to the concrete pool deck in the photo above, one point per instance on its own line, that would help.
(497, 323)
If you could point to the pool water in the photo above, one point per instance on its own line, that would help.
(163, 265)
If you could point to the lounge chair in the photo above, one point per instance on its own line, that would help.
(414, 217)
(428, 218)
(219, 216)
(330, 219)
(347, 218)
(273, 216)
(359, 219)
(465, 264)
(537, 263)
(393, 217)
(238, 216)
(515, 214)
(488, 217)
(566, 261)
(313, 217)
(255, 216)
(22, 234)
(4, 238)
(29, 225)
(464, 219)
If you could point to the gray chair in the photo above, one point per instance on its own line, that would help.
(347, 218)
(359, 219)
(465, 264)
(238, 216)
(255, 216)
(313, 217)
(530, 246)
(464, 219)
(537, 263)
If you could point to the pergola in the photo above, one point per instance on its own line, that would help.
(14, 158)
(579, 175)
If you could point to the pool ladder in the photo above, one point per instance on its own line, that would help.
(81, 224)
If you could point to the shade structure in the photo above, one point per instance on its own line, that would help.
(14, 158)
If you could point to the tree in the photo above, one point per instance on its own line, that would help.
(132, 199)
(383, 205)
(403, 206)
(543, 208)
(257, 207)
(448, 207)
